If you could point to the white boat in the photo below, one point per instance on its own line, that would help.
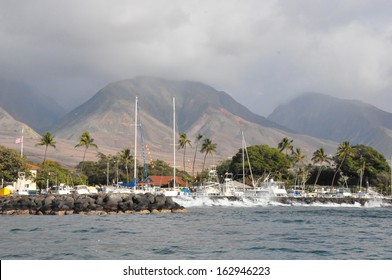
(63, 189)
(343, 192)
(169, 192)
(116, 189)
(212, 186)
(81, 189)
(268, 189)
(22, 192)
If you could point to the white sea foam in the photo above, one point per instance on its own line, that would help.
(188, 202)
(240, 202)
(375, 203)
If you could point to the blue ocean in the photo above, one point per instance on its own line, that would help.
(219, 230)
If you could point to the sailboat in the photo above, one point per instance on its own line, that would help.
(134, 184)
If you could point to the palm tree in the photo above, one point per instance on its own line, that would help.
(182, 143)
(320, 157)
(47, 140)
(361, 171)
(126, 158)
(208, 148)
(297, 158)
(343, 151)
(198, 137)
(86, 141)
(285, 144)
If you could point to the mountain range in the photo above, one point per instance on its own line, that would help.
(109, 118)
(336, 119)
(27, 106)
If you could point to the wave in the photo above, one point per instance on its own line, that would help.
(189, 202)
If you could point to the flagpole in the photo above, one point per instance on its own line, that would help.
(21, 146)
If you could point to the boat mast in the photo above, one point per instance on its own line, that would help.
(243, 158)
(134, 163)
(247, 157)
(174, 142)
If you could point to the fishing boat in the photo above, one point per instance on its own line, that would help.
(212, 186)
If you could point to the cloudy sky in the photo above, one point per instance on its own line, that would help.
(262, 53)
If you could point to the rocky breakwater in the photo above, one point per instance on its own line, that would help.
(333, 200)
(93, 204)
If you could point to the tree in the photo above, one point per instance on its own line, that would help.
(86, 141)
(319, 157)
(343, 151)
(46, 140)
(52, 173)
(183, 142)
(375, 168)
(10, 164)
(198, 138)
(207, 148)
(298, 159)
(160, 167)
(361, 171)
(285, 145)
(126, 158)
(263, 159)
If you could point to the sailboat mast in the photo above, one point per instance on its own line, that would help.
(134, 163)
(174, 142)
(243, 158)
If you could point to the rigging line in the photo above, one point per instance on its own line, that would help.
(247, 156)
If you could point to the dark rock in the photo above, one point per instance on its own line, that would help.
(86, 204)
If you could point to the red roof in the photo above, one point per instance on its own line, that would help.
(164, 180)
(34, 167)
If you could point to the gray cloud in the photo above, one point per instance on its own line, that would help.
(260, 52)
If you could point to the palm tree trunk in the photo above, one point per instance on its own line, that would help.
(84, 154)
(126, 169)
(336, 172)
(46, 149)
(204, 162)
(183, 160)
(318, 175)
(194, 160)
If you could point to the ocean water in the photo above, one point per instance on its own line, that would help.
(220, 230)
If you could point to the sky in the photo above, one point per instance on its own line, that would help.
(262, 53)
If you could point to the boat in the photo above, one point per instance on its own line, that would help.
(212, 186)
(268, 189)
(343, 192)
(63, 189)
(133, 186)
(82, 189)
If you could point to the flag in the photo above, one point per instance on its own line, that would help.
(19, 140)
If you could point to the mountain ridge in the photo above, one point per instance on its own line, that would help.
(109, 117)
(336, 119)
(26, 106)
